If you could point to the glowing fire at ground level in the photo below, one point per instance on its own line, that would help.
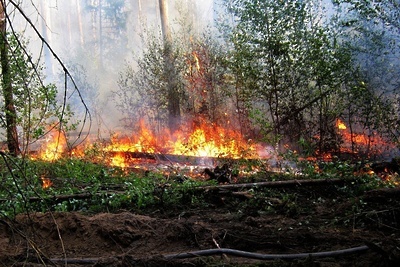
(203, 141)
(192, 149)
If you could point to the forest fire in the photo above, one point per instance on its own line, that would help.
(340, 125)
(353, 142)
(54, 146)
(190, 149)
(199, 141)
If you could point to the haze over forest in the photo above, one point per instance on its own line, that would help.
(272, 75)
(97, 45)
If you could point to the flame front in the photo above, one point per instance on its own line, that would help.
(358, 141)
(204, 140)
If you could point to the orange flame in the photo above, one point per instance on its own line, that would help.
(207, 141)
(204, 140)
(340, 125)
(46, 182)
(118, 160)
(145, 141)
(196, 59)
(371, 140)
(54, 147)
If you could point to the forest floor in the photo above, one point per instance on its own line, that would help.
(289, 221)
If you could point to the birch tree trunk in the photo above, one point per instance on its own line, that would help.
(170, 71)
(10, 112)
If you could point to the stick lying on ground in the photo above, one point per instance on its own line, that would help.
(234, 252)
(258, 256)
(278, 184)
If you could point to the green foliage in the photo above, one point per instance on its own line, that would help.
(78, 185)
(36, 103)
(199, 73)
(283, 73)
(370, 30)
(86, 187)
(143, 91)
(288, 67)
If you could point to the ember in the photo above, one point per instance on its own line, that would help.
(46, 182)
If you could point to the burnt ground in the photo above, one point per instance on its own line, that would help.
(303, 219)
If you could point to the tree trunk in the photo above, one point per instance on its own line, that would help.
(10, 112)
(164, 21)
(80, 23)
(170, 70)
(100, 34)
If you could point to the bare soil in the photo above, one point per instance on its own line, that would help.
(284, 221)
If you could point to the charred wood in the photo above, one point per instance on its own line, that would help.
(220, 174)
(392, 166)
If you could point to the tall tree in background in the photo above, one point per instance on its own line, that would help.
(170, 71)
(29, 104)
(108, 25)
(8, 94)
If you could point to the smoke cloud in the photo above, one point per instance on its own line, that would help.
(96, 39)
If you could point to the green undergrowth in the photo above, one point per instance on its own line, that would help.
(79, 185)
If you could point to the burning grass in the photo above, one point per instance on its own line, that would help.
(201, 140)
(198, 140)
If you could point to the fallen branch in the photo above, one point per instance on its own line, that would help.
(270, 184)
(277, 184)
(233, 252)
(61, 198)
(383, 193)
(258, 256)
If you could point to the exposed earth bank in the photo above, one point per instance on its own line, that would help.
(285, 221)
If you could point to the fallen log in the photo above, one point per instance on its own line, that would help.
(383, 193)
(279, 184)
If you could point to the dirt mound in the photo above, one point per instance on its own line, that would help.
(323, 222)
